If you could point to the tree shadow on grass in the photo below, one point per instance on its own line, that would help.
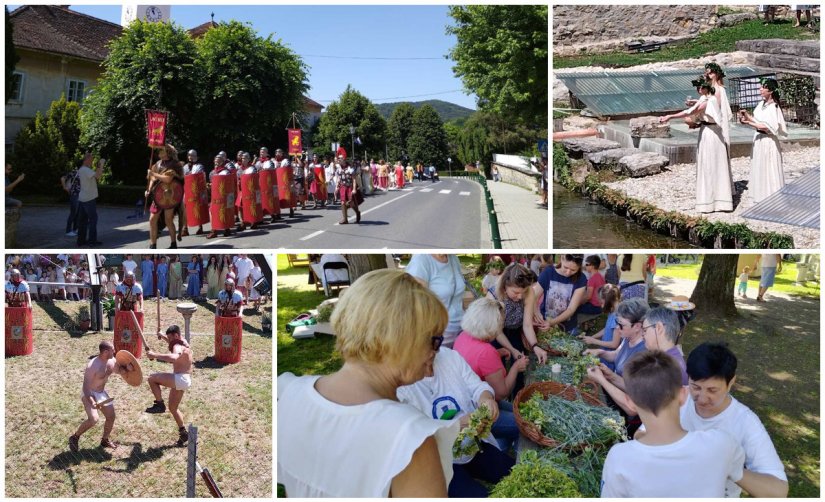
(138, 456)
(61, 319)
(67, 459)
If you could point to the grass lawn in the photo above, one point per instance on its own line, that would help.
(231, 406)
(784, 281)
(777, 345)
(714, 41)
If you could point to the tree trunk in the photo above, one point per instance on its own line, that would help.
(713, 293)
(360, 264)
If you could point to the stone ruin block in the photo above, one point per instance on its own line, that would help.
(642, 164)
(579, 147)
(648, 127)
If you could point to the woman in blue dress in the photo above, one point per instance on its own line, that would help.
(193, 287)
(147, 267)
(163, 275)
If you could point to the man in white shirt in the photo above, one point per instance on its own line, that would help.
(244, 267)
(87, 198)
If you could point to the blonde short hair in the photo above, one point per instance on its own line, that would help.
(393, 330)
(483, 319)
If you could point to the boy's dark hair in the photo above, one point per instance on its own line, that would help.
(711, 359)
(594, 260)
(104, 345)
(652, 379)
(173, 329)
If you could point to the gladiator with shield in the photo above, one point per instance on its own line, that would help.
(94, 397)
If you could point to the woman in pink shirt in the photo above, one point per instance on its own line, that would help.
(480, 325)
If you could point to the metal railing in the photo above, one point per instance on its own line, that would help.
(488, 198)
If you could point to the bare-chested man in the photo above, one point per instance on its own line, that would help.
(95, 377)
(178, 381)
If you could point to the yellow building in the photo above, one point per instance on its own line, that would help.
(60, 52)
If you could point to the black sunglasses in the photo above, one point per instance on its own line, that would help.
(436, 342)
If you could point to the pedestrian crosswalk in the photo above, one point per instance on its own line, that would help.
(441, 192)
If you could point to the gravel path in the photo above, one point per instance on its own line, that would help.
(675, 190)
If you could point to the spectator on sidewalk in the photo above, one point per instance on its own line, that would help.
(71, 184)
(10, 202)
(87, 197)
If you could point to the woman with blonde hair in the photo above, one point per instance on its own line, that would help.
(390, 448)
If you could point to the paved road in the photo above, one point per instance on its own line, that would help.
(448, 214)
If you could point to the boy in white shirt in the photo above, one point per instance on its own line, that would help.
(667, 461)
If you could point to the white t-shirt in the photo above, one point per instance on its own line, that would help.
(129, 266)
(745, 427)
(490, 281)
(698, 465)
(768, 260)
(88, 184)
(743, 277)
(330, 450)
(453, 388)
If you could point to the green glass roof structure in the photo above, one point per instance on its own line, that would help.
(619, 93)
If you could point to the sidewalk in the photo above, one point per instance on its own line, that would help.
(523, 224)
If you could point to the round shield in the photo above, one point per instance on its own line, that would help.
(134, 376)
(168, 195)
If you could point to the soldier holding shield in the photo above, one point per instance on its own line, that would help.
(220, 202)
(166, 185)
(17, 291)
(230, 300)
(191, 171)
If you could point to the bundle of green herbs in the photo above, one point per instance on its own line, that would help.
(567, 345)
(584, 468)
(468, 442)
(543, 336)
(534, 478)
(325, 312)
(573, 423)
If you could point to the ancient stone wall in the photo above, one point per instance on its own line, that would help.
(598, 28)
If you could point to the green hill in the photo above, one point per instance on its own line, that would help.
(445, 110)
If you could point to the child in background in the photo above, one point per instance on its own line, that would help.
(743, 282)
(667, 461)
(494, 268)
(610, 296)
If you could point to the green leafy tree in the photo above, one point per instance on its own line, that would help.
(249, 87)
(501, 56)
(399, 128)
(428, 140)
(150, 66)
(352, 108)
(11, 55)
(48, 147)
(473, 141)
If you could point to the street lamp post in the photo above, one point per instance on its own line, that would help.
(352, 139)
(450, 166)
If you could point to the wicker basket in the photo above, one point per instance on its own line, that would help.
(569, 392)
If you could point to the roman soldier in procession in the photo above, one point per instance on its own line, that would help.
(286, 196)
(249, 195)
(222, 203)
(166, 188)
(194, 175)
(269, 185)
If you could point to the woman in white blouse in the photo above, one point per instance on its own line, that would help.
(767, 175)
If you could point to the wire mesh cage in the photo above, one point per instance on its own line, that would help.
(797, 95)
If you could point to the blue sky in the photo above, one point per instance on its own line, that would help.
(339, 32)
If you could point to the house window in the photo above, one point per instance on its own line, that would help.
(77, 90)
(17, 80)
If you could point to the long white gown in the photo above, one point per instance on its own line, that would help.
(767, 176)
(714, 182)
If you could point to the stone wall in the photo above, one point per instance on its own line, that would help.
(599, 28)
(519, 177)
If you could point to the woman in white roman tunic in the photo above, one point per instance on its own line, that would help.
(714, 182)
(767, 176)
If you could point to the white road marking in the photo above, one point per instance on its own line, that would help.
(351, 219)
(463, 193)
(313, 234)
(426, 190)
(444, 191)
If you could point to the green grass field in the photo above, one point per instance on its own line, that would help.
(784, 281)
(777, 344)
(231, 406)
(712, 42)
